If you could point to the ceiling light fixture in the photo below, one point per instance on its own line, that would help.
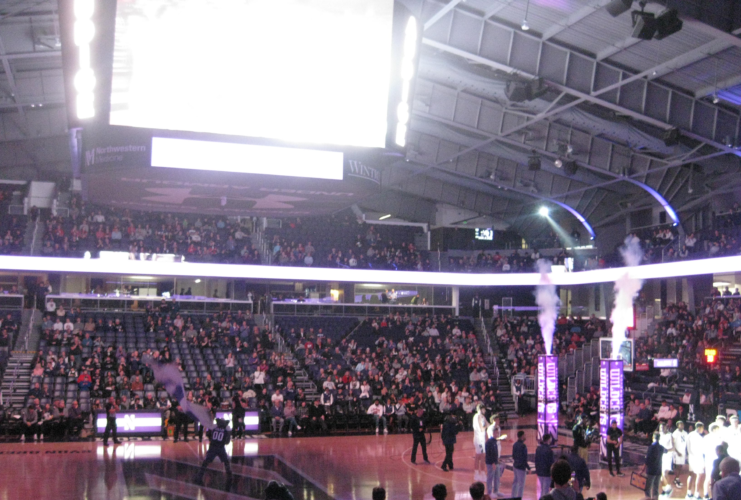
(617, 7)
(558, 163)
(544, 211)
(387, 216)
(525, 25)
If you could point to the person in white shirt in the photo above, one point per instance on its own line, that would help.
(667, 442)
(663, 413)
(733, 438)
(51, 306)
(378, 415)
(479, 439)
(679, 442)
(710, 442)
(69, 326)
(695, 459)
(58, 325)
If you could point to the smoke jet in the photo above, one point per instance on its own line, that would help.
(548, 302)
(626, 289)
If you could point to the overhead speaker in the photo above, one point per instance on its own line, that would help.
(644, 25)
(667, 24)
(671, 137)
(569, 166)
(517, 91)
(536, 88)
(533, 162)
(617, 7)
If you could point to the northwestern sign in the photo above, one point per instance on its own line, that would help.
(611, 400)
(548, 397)
(251, 420)
(133, 422)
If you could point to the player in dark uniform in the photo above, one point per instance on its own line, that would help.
(110, 410)
(220, 437)
(418, 426)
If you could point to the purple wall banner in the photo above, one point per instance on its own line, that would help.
(251, 420)
(611, 400)
(548, 397)
(133, 422)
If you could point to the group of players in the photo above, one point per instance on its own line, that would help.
(700, 450)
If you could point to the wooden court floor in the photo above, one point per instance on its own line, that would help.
(317, 468)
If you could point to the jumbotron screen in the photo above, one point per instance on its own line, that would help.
(302, 71)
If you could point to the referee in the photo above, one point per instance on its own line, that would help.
(110, 426)
(419, 428)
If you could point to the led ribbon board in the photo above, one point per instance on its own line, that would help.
(132, 423)
(548, 397)
(233, 271)
(251, 420)
(610, 400)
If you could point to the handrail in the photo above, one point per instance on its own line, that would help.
(30, 327)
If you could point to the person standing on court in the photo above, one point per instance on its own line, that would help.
(614, 440)
(448, 433)
(492, 466)
(729, 487)
(419, 428)
(479, 439)
(654, 458)
(543, 461)
(519, 464)
(220, 437)
(110, 426)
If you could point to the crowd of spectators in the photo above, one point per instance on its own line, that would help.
(521, 342)
(196, 238)
(404, 362)
(342, 241)
(12, 227)
(521, 261)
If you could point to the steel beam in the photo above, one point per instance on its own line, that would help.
(529, 56)
(574, 18)
(441, 13)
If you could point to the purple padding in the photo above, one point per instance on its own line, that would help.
(548, 397)
(132, 422)
(251, 419)
(611, 399)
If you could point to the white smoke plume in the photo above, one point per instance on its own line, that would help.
(548, 302)
(626, 289)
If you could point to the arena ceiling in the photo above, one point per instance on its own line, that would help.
(607, 98)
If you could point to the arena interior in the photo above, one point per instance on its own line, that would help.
(370, 249)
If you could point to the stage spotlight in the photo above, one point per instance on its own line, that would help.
(533, 161)
(667, 24)
(617, 7)
(644, 25)
(671, 137)
(544, 211)
(569, 166)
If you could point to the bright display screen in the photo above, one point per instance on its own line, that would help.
(308, 71)
(486, 234)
